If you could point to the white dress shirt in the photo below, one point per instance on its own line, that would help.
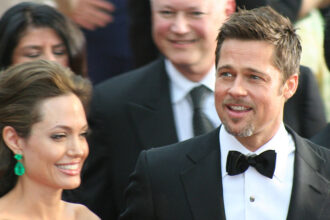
(250, 195)
(180, 87)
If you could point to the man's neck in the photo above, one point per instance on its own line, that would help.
(194, 73)
(257, 140)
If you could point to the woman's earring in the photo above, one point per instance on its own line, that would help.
(19, 168)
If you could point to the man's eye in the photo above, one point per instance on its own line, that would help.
(196, 13)
(166, 12)
(225, 74)
(255, 77)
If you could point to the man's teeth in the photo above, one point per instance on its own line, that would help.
(238, 108)
(68, 167)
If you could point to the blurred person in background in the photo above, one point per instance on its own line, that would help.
(30, 31)
(105, 26)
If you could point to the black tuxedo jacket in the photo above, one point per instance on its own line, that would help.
(183, 181)
(130, 113)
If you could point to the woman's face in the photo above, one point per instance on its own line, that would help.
(56, 149)
(40, 43)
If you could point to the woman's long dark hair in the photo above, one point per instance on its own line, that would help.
(16, 20)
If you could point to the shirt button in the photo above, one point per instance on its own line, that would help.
(252, 199)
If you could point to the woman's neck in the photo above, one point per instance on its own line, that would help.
(33, 200)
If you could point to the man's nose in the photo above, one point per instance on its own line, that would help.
(238, 88)
(180, 24)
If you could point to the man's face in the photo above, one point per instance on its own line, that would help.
(185, 31)
(249, 91)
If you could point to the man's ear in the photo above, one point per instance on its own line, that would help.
(290, 86)
(230, 7)
(12, 139)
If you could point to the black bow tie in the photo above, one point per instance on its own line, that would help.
(264, 163)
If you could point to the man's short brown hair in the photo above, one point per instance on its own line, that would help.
(265, 24)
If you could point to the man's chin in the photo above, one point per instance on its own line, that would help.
(246, 131)
(181, 61)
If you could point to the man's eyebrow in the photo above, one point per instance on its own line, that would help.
(250, 69)
(224, 67)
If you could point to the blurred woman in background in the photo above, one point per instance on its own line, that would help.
(30, 31)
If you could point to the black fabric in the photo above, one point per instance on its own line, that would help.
(304, 112)
(264, 163)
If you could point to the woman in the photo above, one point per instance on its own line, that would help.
(30, 31)
(43, 140)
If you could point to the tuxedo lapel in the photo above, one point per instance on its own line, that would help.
(152, 113)
(202, 180)
(310, 191)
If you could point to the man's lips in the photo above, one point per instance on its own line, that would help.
(182, 42)
(239, 108)
(237, 111)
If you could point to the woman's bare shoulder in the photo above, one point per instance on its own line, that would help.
(83, 213)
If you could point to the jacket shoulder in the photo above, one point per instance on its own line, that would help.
(132, 79)
(194, 148)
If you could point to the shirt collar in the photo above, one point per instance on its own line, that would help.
(181, 86)
(282, 142)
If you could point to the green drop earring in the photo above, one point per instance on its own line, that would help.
(19, 168)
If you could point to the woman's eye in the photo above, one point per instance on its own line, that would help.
(84, 134)
(59, 52)
(32, 55)
(58, 136)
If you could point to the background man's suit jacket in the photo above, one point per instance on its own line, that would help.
(304, 112)
(130, 113)
(323, 137)
(183, 181)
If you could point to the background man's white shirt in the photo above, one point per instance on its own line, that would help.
(180, 87)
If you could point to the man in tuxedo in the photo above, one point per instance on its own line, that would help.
(152, 106)
(252, 166)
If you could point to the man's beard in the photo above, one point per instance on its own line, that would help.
(247, 131)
